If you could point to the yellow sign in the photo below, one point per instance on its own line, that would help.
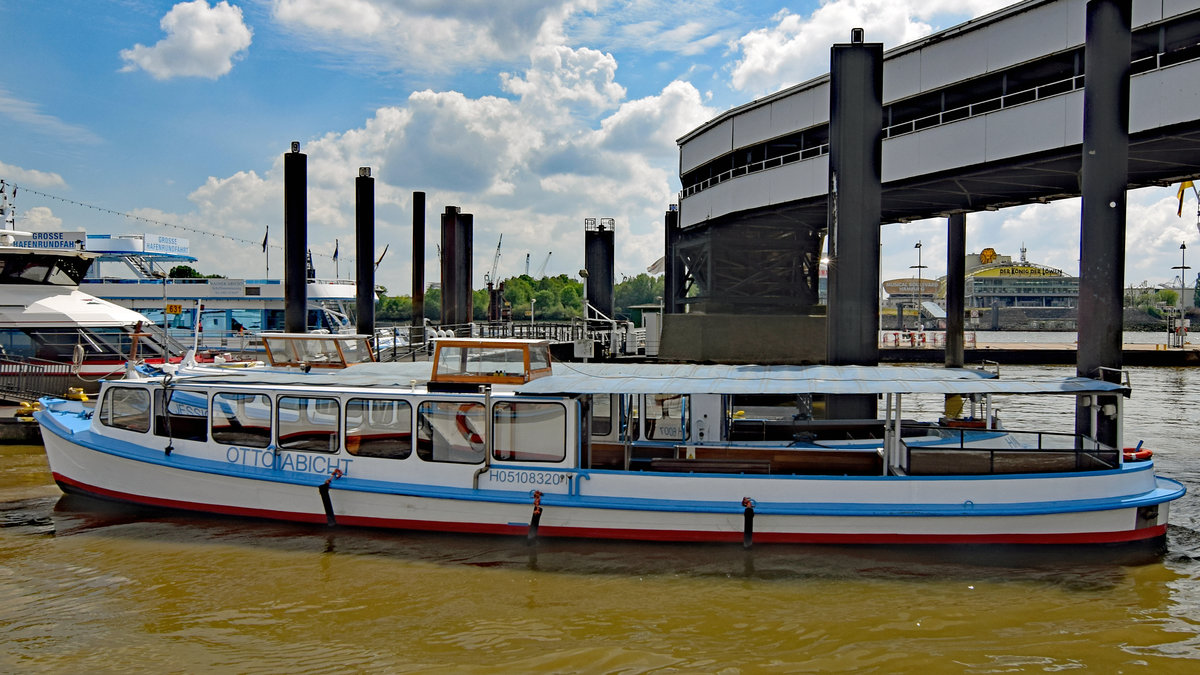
(174, 309)
(1019, 271)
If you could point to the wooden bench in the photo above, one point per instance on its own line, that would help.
(762, 466)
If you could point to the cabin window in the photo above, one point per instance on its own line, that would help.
(181, 414)
(602, 415)
(378, 428)
(539, 357)
(126, 408)
(242, 419)
(307, 423)
(479, 360)
(664, 417)
(450, 431)
(527, 431)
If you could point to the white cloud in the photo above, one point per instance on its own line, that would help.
(796, 47)
(31, 177)
(30, 116)
(531, 168)
(431, 36)
(582, 79)
(201, 41)
(39, 219)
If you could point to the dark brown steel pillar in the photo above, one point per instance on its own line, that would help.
(672, 268)
(599, 242)
(956, 270)
(364, 250)
(457, 299)
(295, 240)
(418, 260)
(855, 151)
(1104, 171)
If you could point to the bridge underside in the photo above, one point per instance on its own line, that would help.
(764, 261)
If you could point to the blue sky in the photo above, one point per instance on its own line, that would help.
(532, 115)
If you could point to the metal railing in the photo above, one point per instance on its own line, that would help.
(28, 379)
(1006, 452)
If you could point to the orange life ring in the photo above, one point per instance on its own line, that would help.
(1138, 454)
(460, 421)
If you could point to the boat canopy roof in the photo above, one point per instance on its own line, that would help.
(607, 378)
(586, 378)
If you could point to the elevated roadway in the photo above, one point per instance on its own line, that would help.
(985, 115)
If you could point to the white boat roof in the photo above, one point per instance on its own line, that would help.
(586, 378)
(647, 378)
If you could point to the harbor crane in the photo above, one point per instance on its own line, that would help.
(489, 277)
(542, 270)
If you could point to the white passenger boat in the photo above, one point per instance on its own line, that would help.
(493, 439)
(218, 315)
(46, 321)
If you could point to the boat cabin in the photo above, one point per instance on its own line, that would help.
(317, 350)
(476, 362)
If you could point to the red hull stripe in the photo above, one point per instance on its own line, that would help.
(633, 535)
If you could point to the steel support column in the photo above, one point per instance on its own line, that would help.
(599, 249)
(956, 268)
(418, 260)
(673, 291)
(1104, 171)
(295, 240)
(457, 297)
(364, 250)
(855, 151)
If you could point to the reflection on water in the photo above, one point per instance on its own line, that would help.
(92, 587)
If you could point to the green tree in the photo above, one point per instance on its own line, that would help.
(569, 297)
(433, 304)
(184, 272)
(640, 290)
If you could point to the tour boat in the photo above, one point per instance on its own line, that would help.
(493, 438)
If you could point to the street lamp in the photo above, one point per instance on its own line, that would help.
(532, 301)
(583, 274)
(1183, 268)
(916, 293)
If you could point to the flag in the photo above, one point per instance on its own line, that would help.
(658, 267)
(1182, 187)
(335, 250)
(265, 235)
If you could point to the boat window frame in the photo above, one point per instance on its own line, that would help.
(606, 431)
(180, 427)
(332, 433)
(649, 432)
(107, 406)
(525, 455)
(355, 449)
(478, 430)
(241, 442)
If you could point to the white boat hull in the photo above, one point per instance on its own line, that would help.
(601, 504)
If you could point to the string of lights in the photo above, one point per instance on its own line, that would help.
(161, 223)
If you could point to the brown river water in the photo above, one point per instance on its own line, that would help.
(87, 587)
